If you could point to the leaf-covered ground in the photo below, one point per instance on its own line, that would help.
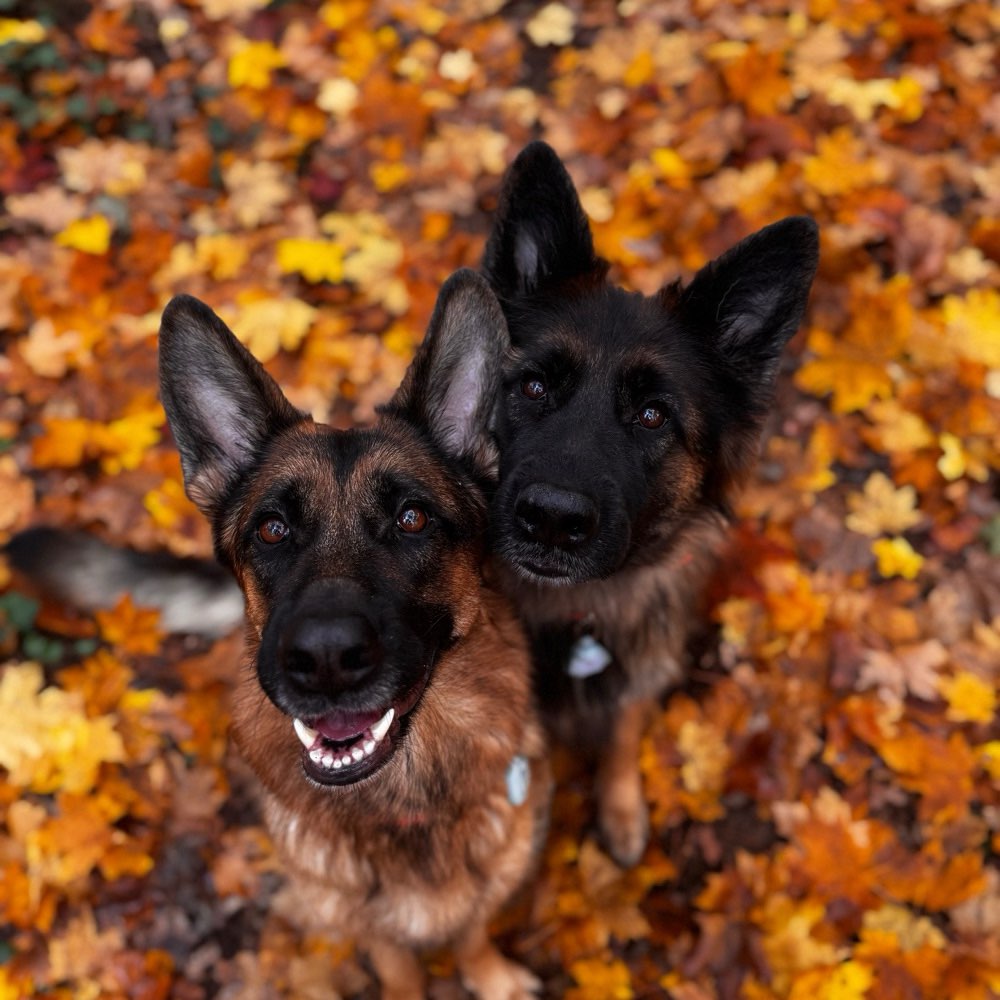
(824, 794)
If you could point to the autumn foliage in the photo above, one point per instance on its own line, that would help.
(824, 790)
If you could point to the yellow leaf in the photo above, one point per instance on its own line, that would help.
(90, 235)
(848, 981)
(896, 558)
(46, 741)
(863, 97)
(881, 508)
(600, 979)
(970, 698)
(895, 429)
(315, 260)
(552, 25)
(125, 441)
(24, 32)
(269, 325)
(251, 65)
(973, 323)
(338, 96)
(845, 371)
(788, 940)
(956, 462)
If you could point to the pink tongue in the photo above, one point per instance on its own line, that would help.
(344, 725)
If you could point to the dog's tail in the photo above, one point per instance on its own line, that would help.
(192, 595)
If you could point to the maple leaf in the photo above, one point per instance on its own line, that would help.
(130, 629)
(268, 325)
(47, 741)
(882, 509)
(896, 557)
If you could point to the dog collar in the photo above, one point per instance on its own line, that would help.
(587, 657)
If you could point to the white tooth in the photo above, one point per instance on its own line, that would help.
(337, 764)
(346, 759)
(304, 733)
(368, 746)
(357, 753)
(316, 755)
(382, 726)
(327, 760)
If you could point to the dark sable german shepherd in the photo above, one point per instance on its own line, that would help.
(404, 772)
(625, 423)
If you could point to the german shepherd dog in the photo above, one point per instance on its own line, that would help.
(386, 701)
(625, 423)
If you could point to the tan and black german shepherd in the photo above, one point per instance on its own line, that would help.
(625, 424)
(385, 701)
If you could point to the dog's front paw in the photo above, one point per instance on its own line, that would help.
(624, 823)
(500, 979)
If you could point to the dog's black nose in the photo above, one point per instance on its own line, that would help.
(556, 517)
(331, 654)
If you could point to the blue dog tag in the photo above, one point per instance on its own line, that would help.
(587, 658)
(518, 780)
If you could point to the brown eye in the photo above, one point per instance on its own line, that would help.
(272, 531)
(412, 520)
(651, 417)
(533, 388)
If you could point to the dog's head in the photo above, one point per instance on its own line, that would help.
(358, 551)
(623, 416)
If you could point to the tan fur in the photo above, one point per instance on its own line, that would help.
(426, 850)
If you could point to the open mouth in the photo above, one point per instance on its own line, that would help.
(341, 748)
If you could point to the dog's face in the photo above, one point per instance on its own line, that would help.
(622, 416)
(358, 551)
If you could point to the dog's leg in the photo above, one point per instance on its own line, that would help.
(621, 807)
(398, 970)
(487, 974)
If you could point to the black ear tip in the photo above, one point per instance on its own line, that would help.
(800, 229)
(472, 288)
(538, 151)
(183, 309)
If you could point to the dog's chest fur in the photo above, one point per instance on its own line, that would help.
(643, 615)
(435, 839)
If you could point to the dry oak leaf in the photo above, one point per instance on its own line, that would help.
(47, 742)
(882, 509)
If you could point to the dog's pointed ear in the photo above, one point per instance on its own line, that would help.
(751, 299)
(540, 234)
(221, 405)
(452, 385)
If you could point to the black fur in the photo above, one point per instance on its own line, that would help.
(705, 355)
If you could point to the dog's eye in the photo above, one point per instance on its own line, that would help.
(651, 416)
(533, 388)
(412, 520)
(273, 530)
